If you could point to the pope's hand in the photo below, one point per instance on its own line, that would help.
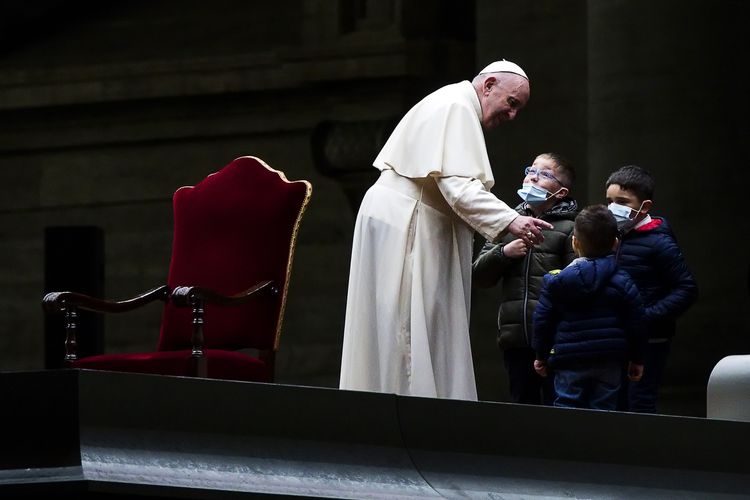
(529, 229)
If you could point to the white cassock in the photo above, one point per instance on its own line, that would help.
(407, 311)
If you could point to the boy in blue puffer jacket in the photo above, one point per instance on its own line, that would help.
(588, 323)
(649, 253)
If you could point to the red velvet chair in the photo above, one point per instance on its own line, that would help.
(234, 239)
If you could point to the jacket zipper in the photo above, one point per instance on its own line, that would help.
(527, 266)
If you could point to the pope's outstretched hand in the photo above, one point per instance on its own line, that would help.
(529, 229)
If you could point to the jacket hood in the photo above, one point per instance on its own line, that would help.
(584, 277)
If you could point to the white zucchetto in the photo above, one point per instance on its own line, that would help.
(504, 66)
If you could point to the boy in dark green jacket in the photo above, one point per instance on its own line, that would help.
(520, 269)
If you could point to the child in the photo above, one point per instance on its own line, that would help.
(649, 253)
(589, 319)
(546, 194)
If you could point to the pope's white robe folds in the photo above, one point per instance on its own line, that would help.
(407, 314)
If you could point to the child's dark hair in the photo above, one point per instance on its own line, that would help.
(633, 178)
(595, 229)
(566, 172)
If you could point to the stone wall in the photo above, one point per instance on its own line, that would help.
(104, 115)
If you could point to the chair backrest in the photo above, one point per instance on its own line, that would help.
(236, 227)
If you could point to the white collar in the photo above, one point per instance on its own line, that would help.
(643, 221)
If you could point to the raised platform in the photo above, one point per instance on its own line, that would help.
(113, 435)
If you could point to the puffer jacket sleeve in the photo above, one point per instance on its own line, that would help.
(683, 290)
(545, 321)
(490, 265)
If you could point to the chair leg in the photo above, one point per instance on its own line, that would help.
(71, 328)
(269, 358)
(198, 366)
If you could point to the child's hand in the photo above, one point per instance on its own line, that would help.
(635, 372)
(540, 367)
(516, 249)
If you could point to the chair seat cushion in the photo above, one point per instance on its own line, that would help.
(229, 365)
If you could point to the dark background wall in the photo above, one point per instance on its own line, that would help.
(106, 109)
(658, 84)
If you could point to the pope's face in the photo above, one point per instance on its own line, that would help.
(502, 98)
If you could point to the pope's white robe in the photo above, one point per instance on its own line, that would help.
(407, 313)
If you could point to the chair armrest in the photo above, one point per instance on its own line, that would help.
(59, 302)
(187, 296)
(68, 303)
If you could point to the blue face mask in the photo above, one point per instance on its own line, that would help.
(621, 212)
(531, 193)
(622, 215)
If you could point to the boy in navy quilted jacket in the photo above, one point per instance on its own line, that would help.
(649, 253)
(588, 324)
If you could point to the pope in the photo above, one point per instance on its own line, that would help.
(406, 329)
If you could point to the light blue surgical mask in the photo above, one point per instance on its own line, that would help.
(622, 215)
(621, 212)
(531, 193)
